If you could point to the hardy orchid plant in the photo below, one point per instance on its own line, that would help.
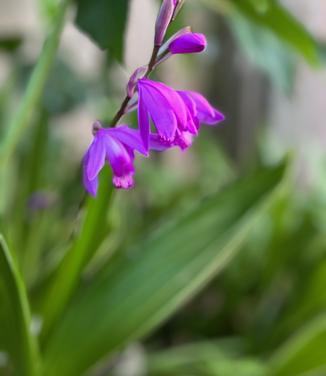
(85, 275)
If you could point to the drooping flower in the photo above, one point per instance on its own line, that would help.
(199, 111)
(164, 106)
(176, 115)
(117, 147)
(188, 43)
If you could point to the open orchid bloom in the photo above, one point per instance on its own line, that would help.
(116, 146)
(166, 108)
(176, 114)
(199, 111)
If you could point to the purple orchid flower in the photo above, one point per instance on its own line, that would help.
(199, 111)
(176, 115)
(188, 43)
(116, 146)
(167, 110)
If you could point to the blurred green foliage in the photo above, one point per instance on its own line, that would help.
(230, 265)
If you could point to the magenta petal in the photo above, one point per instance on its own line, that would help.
(96, 158)
(159, 109)
(188, 43)
(143, 119)
(184, 140)
(90, 185)
(206, 113)
(157, 144)
(165, 47)
(174, 101)
(118, 157)
(124, 182)
(129, 137)
(192, 121)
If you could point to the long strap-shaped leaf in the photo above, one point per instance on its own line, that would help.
(83, 248)
(271, 15)
(304, 353)
(15, 337)
(148, 284)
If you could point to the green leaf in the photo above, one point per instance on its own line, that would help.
(144, 286)
(15, 319)
(303, 353)
(276, 18)
(223, 357)
(265, 50)
(104, 21)
(270, 15)
(68, 274)
(311, 301)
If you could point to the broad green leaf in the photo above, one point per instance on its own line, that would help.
(265, 50)
(66, 277)
(104, 21)
(305, 352)
(144, 286)
(15, 337)
(93, 228)
(311, 301)
(270, 14)
(279, 20)
(32, 176)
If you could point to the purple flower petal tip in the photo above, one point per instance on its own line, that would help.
(200, 109)
(188, 43)
(125, 182)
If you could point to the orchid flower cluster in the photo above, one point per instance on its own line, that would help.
(175, 115)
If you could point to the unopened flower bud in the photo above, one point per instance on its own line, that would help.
(188, 43)
(96, 127)
(138, 74)
(163, 20)
(178, 6)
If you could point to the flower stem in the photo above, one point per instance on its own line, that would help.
(121, 111)
(124, 105)
(152, 61)
(22, 117)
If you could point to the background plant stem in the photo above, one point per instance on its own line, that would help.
(21, 118)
